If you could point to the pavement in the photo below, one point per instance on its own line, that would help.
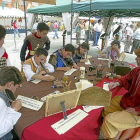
(13, 47)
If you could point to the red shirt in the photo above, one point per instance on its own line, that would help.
(131, 82)
(15, 26)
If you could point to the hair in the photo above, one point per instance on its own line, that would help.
(41, 51)
(15, 21)
(42, 26)
(116, 42)
(131, 25)
(84, 46)
(2, 32)
(69, 47)
(99, 20)
(10, 73)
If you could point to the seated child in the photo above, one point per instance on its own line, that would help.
(10, 78)
(60, 59)
(112, 51)
(79, 55)
(32, 68)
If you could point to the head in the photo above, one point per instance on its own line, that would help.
(137, 52)
(40, 56)
(99, 21)
(68, 51)
(10, 78)
(2, 35)
(15, 21)
(114, 43)
(138, 24)
(116, 22)
(42, 29)
(84, 47)
(131, 26)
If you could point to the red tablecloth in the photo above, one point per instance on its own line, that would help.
(87, 129)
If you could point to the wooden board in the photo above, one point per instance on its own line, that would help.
(53, 105)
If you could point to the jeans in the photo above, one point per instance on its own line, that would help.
(87, 36)
(55, 33)
(96, 38)
(136, 44)
(16, 32)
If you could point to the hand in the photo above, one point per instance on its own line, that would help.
(103, 55)
(115, 47)
(42, 73)
(75, 66)
(49, 78)
(16, 105)
(22, 62)
(132, 111)
(113, 85)
(83, 60)
(66, 68)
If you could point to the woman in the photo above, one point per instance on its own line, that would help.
(79, 55)
(15, 29)
(118, 33)
(112, 51)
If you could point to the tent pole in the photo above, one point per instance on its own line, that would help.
(71, 20)
(25, 18)
(89, 23)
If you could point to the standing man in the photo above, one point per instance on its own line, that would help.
(136, 39)
(55, 26)
(129, 34)
(124, 111)
(87, 31)
(98, 30)
(38, 39)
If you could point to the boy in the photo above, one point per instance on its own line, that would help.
(62, 58)
(32, 68)
(38, 39)
(10, 78)
(4, 60)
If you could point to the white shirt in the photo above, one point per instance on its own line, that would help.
(2, 51)
(137, 34)
(29, 73)
(129, 32)
(8, 118)
(98, 27)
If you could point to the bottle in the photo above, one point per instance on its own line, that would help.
(82, 72)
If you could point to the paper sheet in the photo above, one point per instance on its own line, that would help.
(84, 84)
(63, 126)
(30, 103)
(70, 71)
(122, 57)
(89, 108)
(36, 81)
(103, 59)
(44, 98)
(87, 63)
(105, 86)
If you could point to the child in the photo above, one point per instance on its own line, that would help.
(112, 51)
(62, 58)
(3, 53)
(10, 78)
(79, 55)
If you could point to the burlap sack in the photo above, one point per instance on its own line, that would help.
(95, 96)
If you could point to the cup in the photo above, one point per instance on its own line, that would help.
(65, 78)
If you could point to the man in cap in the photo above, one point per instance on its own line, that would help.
(124, 111)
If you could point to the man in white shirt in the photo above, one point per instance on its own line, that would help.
(136, 39)
(10, 79)
(98, 30)
(36, 67)
(129, 34)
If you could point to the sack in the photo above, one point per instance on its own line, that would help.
(121, 68)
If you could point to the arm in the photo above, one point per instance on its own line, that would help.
(23, 50)
(49, 67)
(29, 74)
(8, 118)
